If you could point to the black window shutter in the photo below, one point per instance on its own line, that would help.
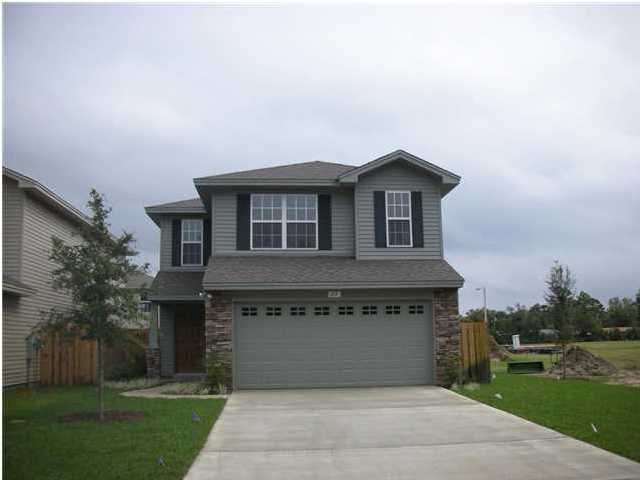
(416, 219)
(243, 220)
(379, 211)
(206, 247)
(176, 246)
(324, 222)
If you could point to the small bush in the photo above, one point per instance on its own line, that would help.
(134, 368)
(215, 379)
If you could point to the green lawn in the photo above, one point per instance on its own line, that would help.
(625, 355)
(37, 446)
(570, 406)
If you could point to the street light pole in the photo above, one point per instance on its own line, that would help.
(484, 298)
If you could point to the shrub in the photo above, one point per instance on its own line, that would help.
(215, 379)
(135, 366)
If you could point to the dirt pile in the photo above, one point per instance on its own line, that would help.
(497, 350)
(581, 363)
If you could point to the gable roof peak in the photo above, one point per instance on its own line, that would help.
(448, 179)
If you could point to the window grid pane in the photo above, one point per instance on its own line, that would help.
(267, 235)
(301, 208)
(398, 204)
(399, 233)
(301, 235)
(191, 254)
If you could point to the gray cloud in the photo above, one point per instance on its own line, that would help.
(537, 108)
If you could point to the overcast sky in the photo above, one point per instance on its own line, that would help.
(537, 108)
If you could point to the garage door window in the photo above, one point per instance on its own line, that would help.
(249, 311)
(392, 309)
(274, 311)
(416, 309)
(298, 311)
(321, 310)
(369, 310)
(345, 310)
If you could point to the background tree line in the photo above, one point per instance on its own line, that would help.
(587, 315)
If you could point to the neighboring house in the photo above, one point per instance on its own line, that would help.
(309, 275)
(140, 283)
(31, 215)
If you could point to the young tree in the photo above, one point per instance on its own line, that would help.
(94, 271)
(560, 297)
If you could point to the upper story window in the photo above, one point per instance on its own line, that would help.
(284, 221)
(192, 242)
(399, 219)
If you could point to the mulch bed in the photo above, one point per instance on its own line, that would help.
(109, 416)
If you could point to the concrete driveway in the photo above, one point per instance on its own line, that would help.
(390, 433)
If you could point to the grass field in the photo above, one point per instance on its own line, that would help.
(570, 407)
(625, 355)
(37, 446)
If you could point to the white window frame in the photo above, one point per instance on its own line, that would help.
(182, 242)
(387, 218)
(283, 221)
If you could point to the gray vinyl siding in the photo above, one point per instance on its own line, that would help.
(166, 341)
(39, 224)
(166, 239)
(342, 224)
(398, 177)
(11, 227)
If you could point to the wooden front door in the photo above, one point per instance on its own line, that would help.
(189, 325)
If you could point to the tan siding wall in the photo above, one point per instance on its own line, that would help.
(39, 224)
(342, 226)
(11, 227)
(399, 177)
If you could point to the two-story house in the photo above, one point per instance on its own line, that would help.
(309, 275)
(31, 214)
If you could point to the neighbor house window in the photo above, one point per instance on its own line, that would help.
(191, 241)
(284, 221)
(398, 219)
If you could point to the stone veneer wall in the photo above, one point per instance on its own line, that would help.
(218, 333)
(447, 335)
(152, 355)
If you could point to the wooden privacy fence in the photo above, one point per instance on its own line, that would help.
(474, 345)
(67, 362)
(74, 362)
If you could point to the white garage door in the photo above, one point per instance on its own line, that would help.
(292, 345)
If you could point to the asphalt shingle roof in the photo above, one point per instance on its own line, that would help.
(228, 273)
(139, 280)
(316, 170)
(177, 284)
(191, 204)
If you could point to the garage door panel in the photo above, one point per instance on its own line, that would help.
(332, 350)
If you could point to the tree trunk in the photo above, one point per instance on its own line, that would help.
(100, 381)
(564, 361)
